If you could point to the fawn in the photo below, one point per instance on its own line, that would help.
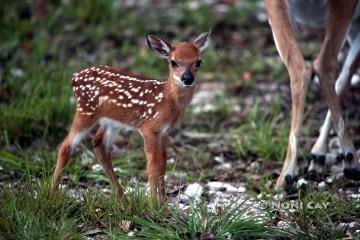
(109, 99)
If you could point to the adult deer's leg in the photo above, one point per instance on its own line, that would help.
(342, 83)
(290, 54)
(103, 155)
(326, 65)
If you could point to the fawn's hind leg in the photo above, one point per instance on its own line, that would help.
(79, 130)
(103, 154)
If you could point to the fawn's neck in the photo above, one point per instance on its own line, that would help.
(180, 95)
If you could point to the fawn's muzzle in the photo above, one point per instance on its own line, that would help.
(187, 78)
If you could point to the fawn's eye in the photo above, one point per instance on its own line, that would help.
(174, 64)
(198, 64)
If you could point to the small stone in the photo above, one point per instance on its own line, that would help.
(224, 187)
(215, 185)
(219, 159)
(342, 225)
(254, 167)
(301, 182)
(194, 190)
(283, 225)
(353, 224)
(329, 179)
(279, 197)
(96, 168)
(17, 72)
(241, 189)
(224, 166)
(354, 196)
(322, 185)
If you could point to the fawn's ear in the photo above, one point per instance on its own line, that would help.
(158, 45)
(202, 41)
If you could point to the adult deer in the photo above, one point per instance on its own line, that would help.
(109, 99)
(337, 17)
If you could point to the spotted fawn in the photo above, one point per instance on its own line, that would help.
(109, 99)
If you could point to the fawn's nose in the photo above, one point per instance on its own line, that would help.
(187, 78)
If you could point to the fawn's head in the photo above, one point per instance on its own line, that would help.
(184, 58)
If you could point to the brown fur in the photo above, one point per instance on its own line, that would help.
(106, 92)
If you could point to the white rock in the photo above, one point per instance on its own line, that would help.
(193, 5)
(96, 167)
(230, 188)
(194, 190)
(301, 182)
(355, 80)
(322, 185)
(329, 179)
(17, 72)
(241, 189)
(216, 186)
(283, 225)
(353, 224)
(224, 166)
(279, 197)
(254, 167)
(354, 196)
(219, 159)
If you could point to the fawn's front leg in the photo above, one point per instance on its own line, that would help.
(156, 165)
(162, 192)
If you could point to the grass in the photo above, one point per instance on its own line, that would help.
(263, 135)
(39, 54)
(31, 212)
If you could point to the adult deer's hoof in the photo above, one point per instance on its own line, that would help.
(316, 164)
(286, 183)
(352, 173)
(290, 180)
